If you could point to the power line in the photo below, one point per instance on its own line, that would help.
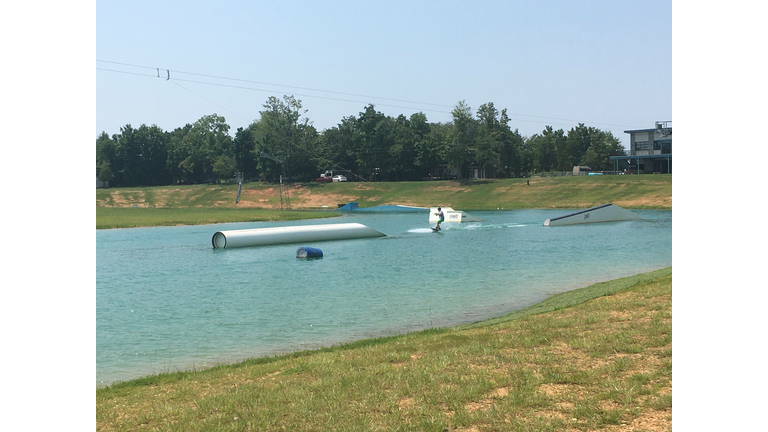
(268, 91)
(263, 124)
(570, 121)
(125, 72)
(201, 97)
(125, 64)
(287, 86)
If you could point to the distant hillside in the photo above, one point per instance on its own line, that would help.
(634, 191)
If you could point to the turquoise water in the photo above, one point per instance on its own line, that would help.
(167, 301)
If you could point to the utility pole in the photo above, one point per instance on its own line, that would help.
(239, 186)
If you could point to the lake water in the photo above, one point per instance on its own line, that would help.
(167, 301)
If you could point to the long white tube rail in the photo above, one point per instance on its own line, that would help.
(291, 234)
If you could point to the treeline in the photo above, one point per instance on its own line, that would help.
(371, 146)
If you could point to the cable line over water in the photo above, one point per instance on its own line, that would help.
(171, 75)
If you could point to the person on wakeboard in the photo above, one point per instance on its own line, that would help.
(441, 218)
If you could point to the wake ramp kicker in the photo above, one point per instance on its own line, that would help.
(452, 215)
(291, 234)
(602, 213)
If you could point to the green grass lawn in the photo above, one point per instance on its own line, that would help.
(129, 217)
(595, 358)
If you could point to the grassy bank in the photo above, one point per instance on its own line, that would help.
(216, 203)
(112, 217)
(594, 358)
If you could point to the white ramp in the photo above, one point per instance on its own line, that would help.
(452, 215)
(603, 213)
(291, 234)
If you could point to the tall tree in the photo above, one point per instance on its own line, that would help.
(544, 148)
(203, 145)
(374, 129)
(461, 138)
(512, 148)
(420, 129)
(578, 142)
(105, 157)
(224, 167)
(431, 147)
(154, 143)
(243, 148)
(487, 149)
(603, 146)
(127, 167)
(336, 147)
(287, 137)
(177, 153)
(402, 152)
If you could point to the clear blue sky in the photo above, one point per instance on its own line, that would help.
(607, 64)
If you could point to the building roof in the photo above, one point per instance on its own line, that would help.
(642, 130)
(658, 156)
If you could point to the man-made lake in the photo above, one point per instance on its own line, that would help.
(167, 301)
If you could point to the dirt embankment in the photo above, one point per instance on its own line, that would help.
(533, 193)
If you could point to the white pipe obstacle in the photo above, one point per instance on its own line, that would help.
(602, 213)
(291, 234)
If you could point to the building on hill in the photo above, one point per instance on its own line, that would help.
(650, 151)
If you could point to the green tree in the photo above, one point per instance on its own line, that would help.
(287, 137)
(461, 138)
(104, 172)
(105, 156)
(153, 144)
(512, 151)
(224, 167)
(336, 147)
(486, 152)
(243, 149)
(427, 146)
(371, 145)
(419, 134)
(544, 148)
(200, 147)
(577, 143)
(402, 152)
(139, 156)
(603, 146)
(373, 142)
(177, 152)
(430, 149)
(127, 162)
(526, 156)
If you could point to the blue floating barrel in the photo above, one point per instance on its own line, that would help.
(308, 252)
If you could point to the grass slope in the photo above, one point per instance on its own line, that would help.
(594, 358)
(108, 217)
(216, 203)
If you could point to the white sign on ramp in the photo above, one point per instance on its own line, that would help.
(452, 215)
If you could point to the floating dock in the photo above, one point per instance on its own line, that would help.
(292, 234)
(602, 213)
